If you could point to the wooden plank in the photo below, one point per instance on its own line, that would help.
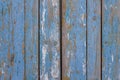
(94, 39)
(11, 39)
(111, 40)
(74, 40)
(49, 40)
(4, 40)
(31, 39)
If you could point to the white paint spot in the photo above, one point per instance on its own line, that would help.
(68, 36)
(43, 17)
(44, 54)
(84, 24)
(112, 57)
(84, 67)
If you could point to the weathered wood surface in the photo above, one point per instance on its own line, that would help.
(49, 40)
(31, 39)
(81, 40)
(111, 40)
(74, 40)
(93, 39)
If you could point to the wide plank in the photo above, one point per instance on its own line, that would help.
(73, 39)
(111, 40)
(49, 40)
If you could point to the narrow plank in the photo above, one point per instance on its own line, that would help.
(4, 40)
(31, 39)
(94, 39)
(49, 40)
(11, 39)
(111, 40)
(74, 40)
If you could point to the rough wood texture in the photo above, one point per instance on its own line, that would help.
(94, 39)
(31, 39)
(49, 40)
(74, 40)
(11, 39)
(111, 40)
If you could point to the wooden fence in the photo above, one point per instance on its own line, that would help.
(59, 39)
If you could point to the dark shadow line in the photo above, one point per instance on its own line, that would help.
(101, 38)
(60, 14)
(38, 39)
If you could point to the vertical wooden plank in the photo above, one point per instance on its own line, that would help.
(11, 39)
(18, 39)
(74, 39)
(4, 39)
(31, 39)
(111, 40)
(49, 40)
(94, 39)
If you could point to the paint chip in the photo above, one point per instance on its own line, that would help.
(85, 43)
(112, 58)
(2, 71)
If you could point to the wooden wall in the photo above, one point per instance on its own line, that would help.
(59, 39)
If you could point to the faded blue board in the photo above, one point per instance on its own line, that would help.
(93, 39)
(111, 40)
(49, 40)
(31, 39)
(11, 39)
(73, 39)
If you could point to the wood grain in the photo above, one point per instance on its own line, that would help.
(49, 40)
(111, 40)
(94, 40)
(74, 40)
